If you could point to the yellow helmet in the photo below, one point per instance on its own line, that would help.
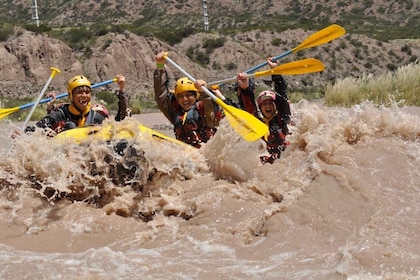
(183, 85)
(75, 82)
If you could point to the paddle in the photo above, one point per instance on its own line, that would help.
(321, 37)
(5, 112)
(54, 71)
(304, 66)
(249, 127)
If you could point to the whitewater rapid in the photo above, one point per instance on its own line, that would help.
(341, 203)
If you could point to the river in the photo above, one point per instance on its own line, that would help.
(341, 203)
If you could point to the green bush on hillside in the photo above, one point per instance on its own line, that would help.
(42, 28)
(108, 99)
(211, 44)
(231, 65)
(5, 31)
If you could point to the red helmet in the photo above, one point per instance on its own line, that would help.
(265, 95)
(101, 109)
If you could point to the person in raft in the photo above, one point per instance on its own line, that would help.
(195, 117)
(79, 111)
(274, 110)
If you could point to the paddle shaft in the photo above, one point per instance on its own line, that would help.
(206, 90)
(274, 59)
(45, 100)
(233, 79)
(299, 67)
(54, 71)
(228, 80)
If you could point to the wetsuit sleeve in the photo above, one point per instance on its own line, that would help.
(163, 97)
(246, 98)
(282, 101)
(123, 106)
(231, 102)
(280, 85)
(212, 112)
(49, 121)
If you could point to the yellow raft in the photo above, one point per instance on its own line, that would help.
(114, 132)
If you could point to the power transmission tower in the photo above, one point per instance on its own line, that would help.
(34, 9)
(206, 16)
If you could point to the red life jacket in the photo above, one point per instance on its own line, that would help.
(191, 127)
(276, 140)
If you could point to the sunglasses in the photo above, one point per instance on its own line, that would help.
(82, 89)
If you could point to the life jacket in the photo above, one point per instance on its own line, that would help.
(191, 126)
(65, 120)
(282, 101)
(246, 98)
(276, 139)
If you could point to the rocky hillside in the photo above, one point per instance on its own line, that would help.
(222, 13)
(246, 35)
(26, 59)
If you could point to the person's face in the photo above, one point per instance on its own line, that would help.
(268, 109)
(81, 97)
(186, 99)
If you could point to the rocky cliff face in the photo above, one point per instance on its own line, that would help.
(26, 59)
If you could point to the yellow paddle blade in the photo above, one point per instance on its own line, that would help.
(5, 112)
(304, 66)
(158, 135)
(248, 126)
(299, 67)
(91, 132)
(109, 132)
(321, 37)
